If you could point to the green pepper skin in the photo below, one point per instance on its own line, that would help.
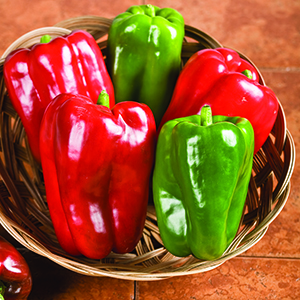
(200, 183)
(144, 55)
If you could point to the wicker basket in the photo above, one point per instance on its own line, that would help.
(23, 207)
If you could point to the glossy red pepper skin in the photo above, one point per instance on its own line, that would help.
(67, 64)
(14, 272)
(214, 77)
(97, 167)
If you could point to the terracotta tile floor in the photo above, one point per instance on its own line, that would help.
(268, 32)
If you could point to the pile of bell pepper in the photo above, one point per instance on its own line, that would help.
(109, 131)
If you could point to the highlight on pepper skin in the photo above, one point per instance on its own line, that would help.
(15, 274)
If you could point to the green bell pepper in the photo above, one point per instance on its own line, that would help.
(200, 182)
(144, 55)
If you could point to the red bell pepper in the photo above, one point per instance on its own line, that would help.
(67, 64)
(15, 274)
(216, 77)
(97, 167)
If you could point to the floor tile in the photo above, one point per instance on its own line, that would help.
(53, 282)
(265, 31)
(283, 236)
(240, 278)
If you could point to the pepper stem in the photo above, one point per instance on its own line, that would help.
(2, 290)
(45, 39)
(150, 10)
(103, 99)
(248, 73)
(206, 115)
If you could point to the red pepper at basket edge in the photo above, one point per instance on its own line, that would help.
(97, 167)
(15, 276)
(216, 77)
(67, 64)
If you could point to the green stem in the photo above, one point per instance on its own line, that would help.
(103, 99)
(206, 115)
(248, 74)
(2, 290)
(150, 10)
(45, 39)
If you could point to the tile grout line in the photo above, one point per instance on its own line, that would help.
(268, 257)
(280, 69)
(135, 288)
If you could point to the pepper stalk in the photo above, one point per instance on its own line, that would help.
(2, 290)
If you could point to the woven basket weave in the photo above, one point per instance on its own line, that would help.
(23, 207)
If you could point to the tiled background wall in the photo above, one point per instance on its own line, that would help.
(268, 32)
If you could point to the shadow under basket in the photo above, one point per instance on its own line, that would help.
(23, 207)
